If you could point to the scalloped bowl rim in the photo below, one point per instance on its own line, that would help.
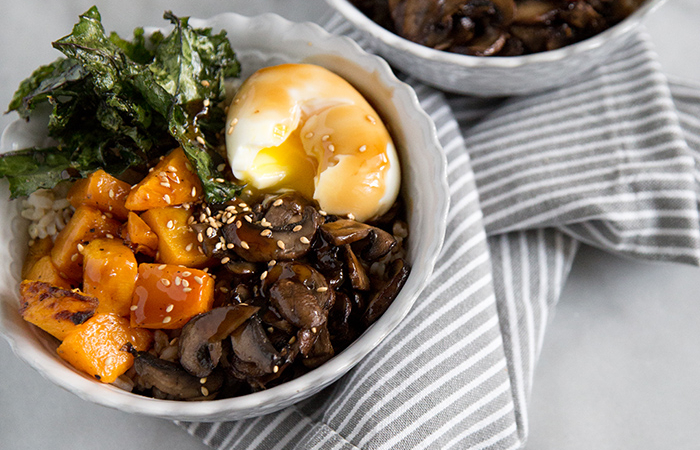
(364, 23)
(27, 348)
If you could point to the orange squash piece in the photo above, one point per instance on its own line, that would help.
(139, 236)
(167, 296)
(86, 224)
(39, 249)
(177, 243)
(172, 182)
(98, 346)
(102, 191)
(109, 275)
(54, 310)
(44, 270)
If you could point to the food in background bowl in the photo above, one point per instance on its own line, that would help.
(200, 282)
(497, 27)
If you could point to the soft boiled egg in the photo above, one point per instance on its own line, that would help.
(301, 127)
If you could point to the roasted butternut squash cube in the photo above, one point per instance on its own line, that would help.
(167, 296)
(177, 243)
(37, 250)
(87, 223)
(99, 347)
(139, 236)
(109, 275)
(44, 270)
(171, 182)
(53, 309)
(101, 191)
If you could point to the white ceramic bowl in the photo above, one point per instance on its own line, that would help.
(495, 76)
(261, 41)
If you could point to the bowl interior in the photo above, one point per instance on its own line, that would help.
(262, 41)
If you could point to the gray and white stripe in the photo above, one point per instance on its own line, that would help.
(608, 162)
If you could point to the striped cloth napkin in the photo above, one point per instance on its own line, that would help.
(610, 162)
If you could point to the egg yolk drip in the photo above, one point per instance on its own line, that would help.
(301, 127)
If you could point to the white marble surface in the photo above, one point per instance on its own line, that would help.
(621, 361)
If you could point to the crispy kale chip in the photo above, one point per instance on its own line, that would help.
(120, 104)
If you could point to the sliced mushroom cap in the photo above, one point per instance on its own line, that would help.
(356, 272)
(422, 21)
(299, 293)
(321, 351)
(284, 233)
(387, 293)
(251, 345)
(200, 341)
(174, 381)
(346, 231)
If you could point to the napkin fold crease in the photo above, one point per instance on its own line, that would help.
(611, 162)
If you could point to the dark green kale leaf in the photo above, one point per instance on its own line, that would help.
(119, 104)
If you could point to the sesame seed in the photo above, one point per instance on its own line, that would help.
(200, 139)
(111, 194)
(166, 197)
(226, 259)
(199, 249)
(169, 308)
(74, 257)
(206, 102)
(248, 219)
(263, 275)
(170, 224)
(200, 238)
(221, 167)
(362, 148)
(280, 244)
(165, 282)
(220, 180)
(167, 319)
(265, 223)
(313, 330)
(162, 266)
(186, 273)
(133, 307)
(278, 202)
(185, 283)
(230, 220)
(203, 380)
(230, 246)
(371, 119)
(198, 279)
(304, 240)
(321, 289)
(325, 137)
(194, 192)
(245, 245)
(224, 289)
(266, 232)
(351, 216)
(109, 214)
(178, 281)
(238, 224)
(322, 212)
(81, 248)
(205, 391)
(205, 83)
(109, 236)
(271, 263)
(242, 205)
(292, 340)
(211, 232)
(309, 135)
(165, 184)
(234, 121)
(229, 131)
(275, 369)
(270, 330)
(297, 228)
(331, 147)
(187, 289)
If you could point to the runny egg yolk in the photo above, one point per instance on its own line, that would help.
(301, 127)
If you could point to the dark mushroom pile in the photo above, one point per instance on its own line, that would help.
(295, 286)
(496, 27)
